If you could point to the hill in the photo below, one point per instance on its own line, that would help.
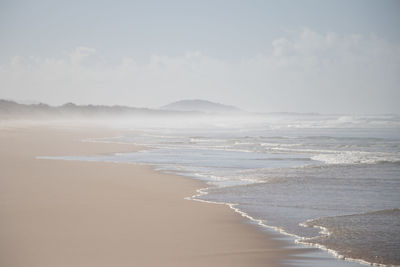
(11, 109)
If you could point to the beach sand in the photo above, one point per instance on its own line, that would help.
(69, 213)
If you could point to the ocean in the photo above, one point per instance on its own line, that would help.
(327, 181)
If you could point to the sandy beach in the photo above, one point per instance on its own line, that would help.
(69, 213)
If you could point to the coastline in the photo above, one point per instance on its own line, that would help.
(63, 213)
(314, 254)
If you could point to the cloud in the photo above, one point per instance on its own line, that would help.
(80, 54)
(304, 71)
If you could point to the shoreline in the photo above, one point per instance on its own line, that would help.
(221, 237)
(299, 241)
(294, 240)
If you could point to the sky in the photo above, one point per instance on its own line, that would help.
(287, 56)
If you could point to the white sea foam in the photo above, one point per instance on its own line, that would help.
(356, 157)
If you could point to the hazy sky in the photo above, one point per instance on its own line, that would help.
(305, 56)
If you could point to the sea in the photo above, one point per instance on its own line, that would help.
(325, 181)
